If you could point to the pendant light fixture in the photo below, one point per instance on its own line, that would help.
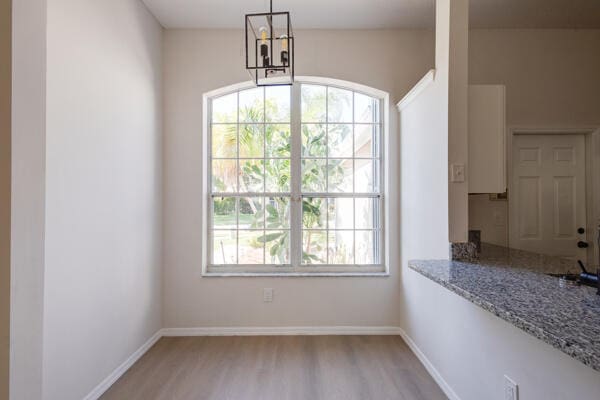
(270, 48)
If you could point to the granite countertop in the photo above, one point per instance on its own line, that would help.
(512, 285)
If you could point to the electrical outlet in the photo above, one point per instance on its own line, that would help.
(267, 295)
(457, 173)
(511, 389)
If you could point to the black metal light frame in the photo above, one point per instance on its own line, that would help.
(255, 70)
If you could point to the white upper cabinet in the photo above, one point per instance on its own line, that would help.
(487, 131)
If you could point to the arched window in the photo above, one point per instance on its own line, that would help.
(294, 179)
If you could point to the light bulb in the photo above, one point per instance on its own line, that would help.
(285, 57)
(263, 34)
(264, 47)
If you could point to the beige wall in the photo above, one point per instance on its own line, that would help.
(551, 76)
(5, 168)
(526, 61)
(551, 79)
(197, 61)
(490, 217)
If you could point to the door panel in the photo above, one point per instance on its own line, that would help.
(530, 207)
(564, 207)
(547, 203)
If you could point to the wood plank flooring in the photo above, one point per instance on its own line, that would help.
(278, 368)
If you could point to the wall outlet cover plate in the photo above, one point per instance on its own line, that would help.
(267, 295)
(457, 172)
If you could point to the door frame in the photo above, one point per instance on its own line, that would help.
(592, 183)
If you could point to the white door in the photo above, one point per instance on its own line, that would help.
(547, 197)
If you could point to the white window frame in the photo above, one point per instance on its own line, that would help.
(381, 269)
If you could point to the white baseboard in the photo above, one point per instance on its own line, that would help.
(282, 331)
(121, 369)
(437, 377)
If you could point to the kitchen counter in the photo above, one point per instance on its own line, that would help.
(512, 285)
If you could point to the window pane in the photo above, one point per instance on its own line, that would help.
(367, 172)
(314, 140)
(277, 247)
(224, 141)
(314, 247)
(251, 152)
(252, 144)
(339, 140)
(224, 108)
(341, 212)
(252, 105)
(339, 105)
(277, 103)
(313, 176)
(278, 175)
(366, 213)
(278, 213)
(251, 247)
(313, 103)
(340, 175)
(224, 176)
(252, 213)
(252, 176)
(366, 108)
(224, 213)
(314, 213)
(365, 250)
(365, 143)
(278, 141)
(341, 247)
(224, 247)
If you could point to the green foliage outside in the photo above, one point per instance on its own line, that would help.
(275, 158)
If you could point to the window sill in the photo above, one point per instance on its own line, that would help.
(370, 271)
(294, 274)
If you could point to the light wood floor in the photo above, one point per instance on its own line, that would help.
(278, 368)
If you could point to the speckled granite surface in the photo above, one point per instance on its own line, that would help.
(512, 285)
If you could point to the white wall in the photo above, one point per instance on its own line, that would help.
(197, 61)
(551, 78)
(458, 121)
(27, 197)
(102, 297)
(424, 181)
(424, 172)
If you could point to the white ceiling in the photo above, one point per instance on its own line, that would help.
(377, 14)
(306, 14)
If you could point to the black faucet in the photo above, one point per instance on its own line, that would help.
(586, 277)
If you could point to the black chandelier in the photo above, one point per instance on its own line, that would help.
(270, 48)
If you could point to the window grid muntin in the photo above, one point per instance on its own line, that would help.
(378, 180)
